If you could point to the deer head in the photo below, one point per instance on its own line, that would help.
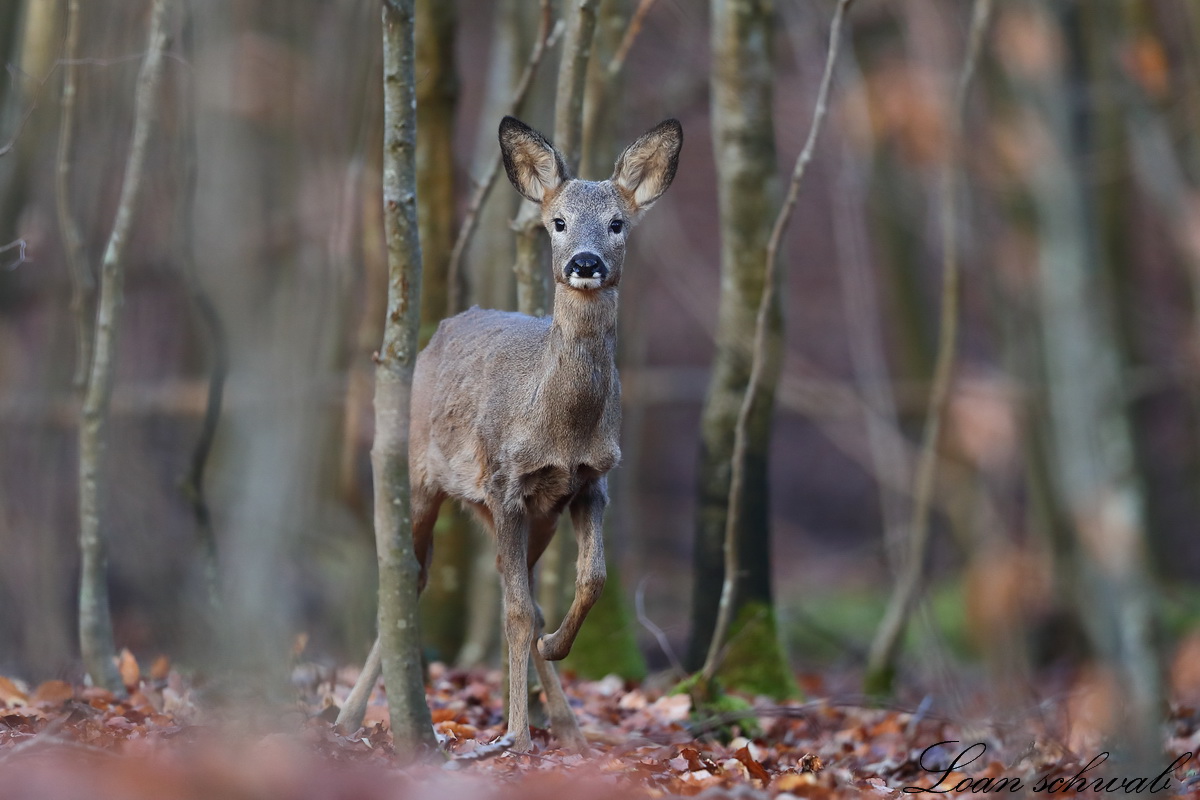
(589, 220)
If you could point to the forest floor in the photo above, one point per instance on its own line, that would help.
(170, 740)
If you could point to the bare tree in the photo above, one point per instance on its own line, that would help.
(1089, 443)
(884, 649)
(748, 197)
(83, 282)
(412, 729)
(95, 624)
(761, 380)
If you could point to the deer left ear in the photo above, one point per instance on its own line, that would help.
(647, 167)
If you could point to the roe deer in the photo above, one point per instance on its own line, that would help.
(519, 417)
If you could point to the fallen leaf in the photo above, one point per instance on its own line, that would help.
(10, 694)
(53, 693)
(756, 770)
(161, 668)
(131, 674)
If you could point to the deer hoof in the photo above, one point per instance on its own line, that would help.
(553, 648)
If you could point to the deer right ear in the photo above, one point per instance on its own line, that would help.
(534, 167)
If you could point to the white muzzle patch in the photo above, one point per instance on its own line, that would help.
(580, 282)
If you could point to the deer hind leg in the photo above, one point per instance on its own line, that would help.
(425, 506)
(424, 510)
(587, 517)
(512, 542)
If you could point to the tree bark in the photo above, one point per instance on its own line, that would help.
(412, 729)
(444, 603)
(95, 624)
(83, 282)
(211, 324)
(748, 197)
(1088, 437)
(437, 97)
(885, 647)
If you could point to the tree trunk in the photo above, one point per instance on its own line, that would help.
(1089, 438)
(444, 602)
(412, 729)
(748, 197)
(95, 625)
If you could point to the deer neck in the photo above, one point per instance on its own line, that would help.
(580, 366)
(584, 321)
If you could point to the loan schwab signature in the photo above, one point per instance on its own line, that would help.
(1082, 781)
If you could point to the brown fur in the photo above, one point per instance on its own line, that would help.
(519, 417)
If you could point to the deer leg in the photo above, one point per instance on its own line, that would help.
(512, 540)
(562, 719)
(425, 506)
(587, 517)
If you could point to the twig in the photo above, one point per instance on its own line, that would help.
(802, 711)
(887, 641)
(639, 603)
(484, 187)
(83, 282)
(631, 33)
(759, 356)
(21, 246)
(95, 623)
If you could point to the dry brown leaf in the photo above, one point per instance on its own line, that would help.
(53, 693)
(161, 668)
(11, 694)
(756, 770)
(131, 673)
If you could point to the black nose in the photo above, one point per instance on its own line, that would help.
(587, 265)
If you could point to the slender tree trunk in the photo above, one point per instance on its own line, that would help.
(1089, 440)
(444, 602)
(437, 97)
(412, 729)
(213, 328)
(37, 43)
(748, 196)
(95, 625)
(83, 282)
(885, 647)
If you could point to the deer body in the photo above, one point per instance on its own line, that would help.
(519, 417)
(547, 422)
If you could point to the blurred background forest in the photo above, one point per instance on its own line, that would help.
(1065, 497)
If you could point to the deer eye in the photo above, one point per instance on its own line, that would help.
(560, 224)
(616, 226)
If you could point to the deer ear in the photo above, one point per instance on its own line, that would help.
(534, 167)
(647, 167)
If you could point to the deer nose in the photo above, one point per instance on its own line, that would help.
(587, 265)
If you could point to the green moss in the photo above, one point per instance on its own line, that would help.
(606, 644)
(710, 701)
(754, 661)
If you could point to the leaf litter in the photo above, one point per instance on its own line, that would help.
(168, 738)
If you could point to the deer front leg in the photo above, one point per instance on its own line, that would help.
(512, 540)
(587, 517)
